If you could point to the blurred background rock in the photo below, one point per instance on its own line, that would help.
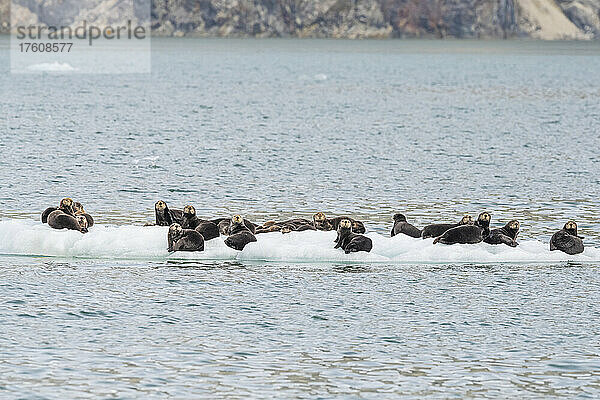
(353, 19)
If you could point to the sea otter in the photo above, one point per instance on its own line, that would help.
(290, 225)
(297, 225)
(189, 219)
(467, 234)
(357, 226)
(66, 206)
(351, 242)
(64, 218)
(80, 211)
(180, 239)
(507, 234)
(401, 226)
(322, 223)
(269, 226)
(567, 240)
(224, 223)
(208, 229)
(239, 234)
(166, 216)
(435, 230)
(47, 212)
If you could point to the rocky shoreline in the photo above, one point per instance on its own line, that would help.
(351, 19)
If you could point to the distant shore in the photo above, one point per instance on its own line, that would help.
(335, 19)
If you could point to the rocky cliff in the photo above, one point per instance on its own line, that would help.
(542, 19)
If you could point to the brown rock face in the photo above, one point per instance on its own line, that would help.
(545, 19)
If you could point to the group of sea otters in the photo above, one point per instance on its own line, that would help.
(187, 232)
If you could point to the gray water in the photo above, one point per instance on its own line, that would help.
(275, 128)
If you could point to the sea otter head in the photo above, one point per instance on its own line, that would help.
(321, 223)
(78, 208)
(189, 211)
(345, 225)
(237, 219)
(571, 228)
(175, 232)
(484, 219)
(357, 227)
(399, 218)
(513, 227)
(66, 205)
(83, 223)
(319, 217)
(160, 206)
(466, 220)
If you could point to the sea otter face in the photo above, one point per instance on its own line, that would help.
(321, 222)
(484, 217)
(237, 219)
(160, 206)
(83, 224)
(399, 218)
(175, 231)
(345, 224)
(571, 228)
(66, 205)
(466, 220)
(189, 210)
(78, 208)
(319, 217)
(514, 225)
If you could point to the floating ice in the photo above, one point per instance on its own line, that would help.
(51, 67)
(27, 237)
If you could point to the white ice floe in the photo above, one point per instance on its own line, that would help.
(51, 67)
(31, 238)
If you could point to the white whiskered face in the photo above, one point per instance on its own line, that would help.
(319, 217)
(345, 223)
(467, 219)
(571, 226)
(514, 225)
(175, 230)
(189, 210)
(66, 202)
(160, 205)
(237, 219)
(485, 216)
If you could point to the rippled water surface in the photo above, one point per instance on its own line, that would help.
(272, 128)
(184, 330)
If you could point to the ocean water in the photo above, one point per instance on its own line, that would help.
(278, 128)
